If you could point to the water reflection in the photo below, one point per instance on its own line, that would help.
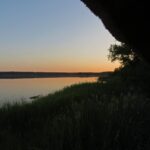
(16, 89)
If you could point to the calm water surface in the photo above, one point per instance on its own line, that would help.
(12, 90)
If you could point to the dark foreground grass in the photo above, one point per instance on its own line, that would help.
(91, 116)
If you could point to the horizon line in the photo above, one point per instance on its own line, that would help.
(53, 71)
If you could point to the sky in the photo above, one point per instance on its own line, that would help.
(52, 35)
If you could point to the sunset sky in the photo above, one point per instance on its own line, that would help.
(52, 35)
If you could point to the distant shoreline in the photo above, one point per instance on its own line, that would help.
(21, 75)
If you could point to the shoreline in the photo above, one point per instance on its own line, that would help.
(24, 75)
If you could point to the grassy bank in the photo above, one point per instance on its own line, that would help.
(112, 115)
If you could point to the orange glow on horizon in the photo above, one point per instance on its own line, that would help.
(65, 68)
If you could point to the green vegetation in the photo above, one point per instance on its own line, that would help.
(110, 115)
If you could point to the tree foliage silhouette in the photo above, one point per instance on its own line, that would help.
(123, 53)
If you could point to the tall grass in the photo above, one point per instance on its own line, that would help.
(114, 115)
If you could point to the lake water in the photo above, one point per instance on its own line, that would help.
(12, 90)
